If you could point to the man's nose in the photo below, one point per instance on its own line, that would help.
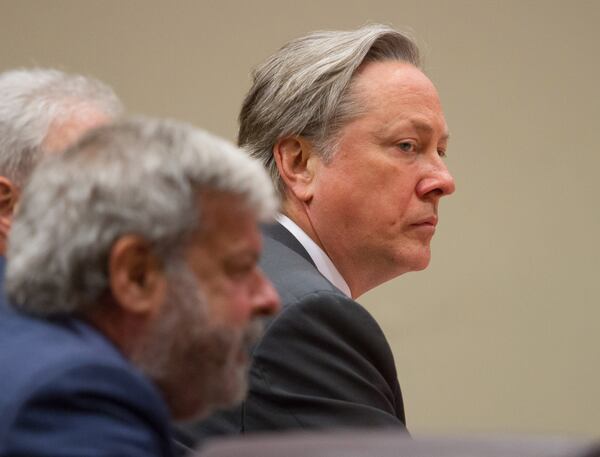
(437, 181)
(266, 299)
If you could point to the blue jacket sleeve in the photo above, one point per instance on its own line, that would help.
(90, 411)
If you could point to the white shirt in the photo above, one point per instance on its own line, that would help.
(318, 256)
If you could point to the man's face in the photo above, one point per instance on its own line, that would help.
(209, 320)
(375, 204)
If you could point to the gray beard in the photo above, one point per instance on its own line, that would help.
(197, 365)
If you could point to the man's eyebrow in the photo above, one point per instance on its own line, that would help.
(425, 127)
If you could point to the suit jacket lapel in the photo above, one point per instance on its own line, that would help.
(282, 235)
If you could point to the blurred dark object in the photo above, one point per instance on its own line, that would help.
(361, 443)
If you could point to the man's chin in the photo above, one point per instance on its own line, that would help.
(229, 393)
(228, 384)
(419, 259)
(234, 389)
(422, 265)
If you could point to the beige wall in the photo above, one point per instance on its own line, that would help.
(501, 333)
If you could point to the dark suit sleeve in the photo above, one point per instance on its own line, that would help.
(89, 411)
(324, 362)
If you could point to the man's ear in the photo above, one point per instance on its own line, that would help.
(297, 163)
(136, 275)
(9, 196)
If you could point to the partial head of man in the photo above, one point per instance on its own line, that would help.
(145, 232)
(354, 137)
(42, 111)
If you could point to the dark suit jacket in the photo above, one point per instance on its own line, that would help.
(66, 391)
(323, 361)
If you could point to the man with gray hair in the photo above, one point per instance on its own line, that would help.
(353, 135)
(42, 111)
(132, 266)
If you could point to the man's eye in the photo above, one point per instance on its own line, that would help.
(407, 146)
(442, 152)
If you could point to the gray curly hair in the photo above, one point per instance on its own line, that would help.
(138, 176)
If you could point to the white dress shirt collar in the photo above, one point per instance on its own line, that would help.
(318, 256)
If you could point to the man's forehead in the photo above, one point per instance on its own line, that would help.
(392, 74)
(218, 205)
(392, 85)
(64, 132)
(226, 215)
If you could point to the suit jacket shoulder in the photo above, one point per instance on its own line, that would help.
(323, 362)
(65, 390)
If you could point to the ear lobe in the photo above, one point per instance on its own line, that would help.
(136, 276)
(296, 161)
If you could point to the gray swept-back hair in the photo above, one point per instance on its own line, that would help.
(304, 89)
(138, 176)
(32, 101)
